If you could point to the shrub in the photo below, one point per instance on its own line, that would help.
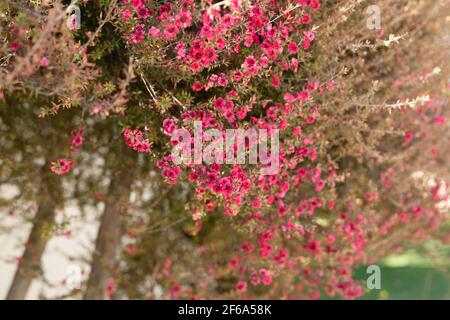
(360, 114)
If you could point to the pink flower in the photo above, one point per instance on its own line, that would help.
(309, 35)
(314, 295)
(330, 85)
(135, 140)
(62, 166)
(131, 249)
(330, 239)
(289, 97)
(169, 126)
(220, 44)
(256, 203)
(197, 86)
(267, 280)
(408, 137)
(15, 46)
(241, 286)
(171, 32)
(293, 47)
(142, 12)
(241, 113)
(440, 120)
(306, 18)
(77, 140)
(196, 67)
(44, 62)
(111, 287)
(233, 262)
(306, 44)
(304, 95)
(97, 108)
(126, 14)
(154, 32)
(183, 20)
(276, 81)
(137, 3)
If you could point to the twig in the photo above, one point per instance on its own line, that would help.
(108, 17)
(149, 88)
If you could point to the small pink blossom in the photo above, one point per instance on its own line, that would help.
(44, 62)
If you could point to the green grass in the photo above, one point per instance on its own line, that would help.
(411, 275)
(408, 283)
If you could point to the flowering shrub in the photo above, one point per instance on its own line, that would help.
(361, 119)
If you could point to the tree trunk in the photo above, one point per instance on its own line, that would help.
(109, 234)
(29, 267)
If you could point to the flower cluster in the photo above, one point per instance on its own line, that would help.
(135, 140)
(242, 63)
